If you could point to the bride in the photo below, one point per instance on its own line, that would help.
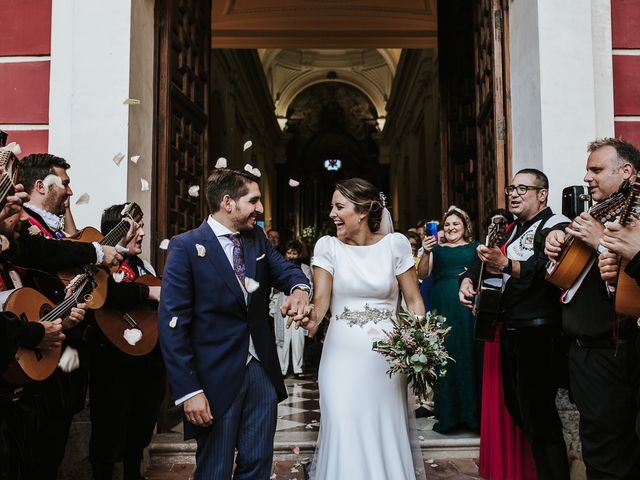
(364, 424)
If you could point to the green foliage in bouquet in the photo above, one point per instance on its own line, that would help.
(415, 348)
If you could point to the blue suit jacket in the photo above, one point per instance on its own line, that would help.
(208, 345)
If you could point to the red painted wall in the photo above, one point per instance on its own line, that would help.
(24, 95)
(26, 27)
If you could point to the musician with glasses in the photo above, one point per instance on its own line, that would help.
(604, 368)
(530, 314)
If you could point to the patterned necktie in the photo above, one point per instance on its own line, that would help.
(238, 257)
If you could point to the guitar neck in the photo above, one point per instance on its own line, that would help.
(118, 232)
(64, 308)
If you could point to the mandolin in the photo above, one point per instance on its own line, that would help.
(487, 304)
(29, 304)
(576, 254)
(119, 325)
(627, 289)
(90, 234)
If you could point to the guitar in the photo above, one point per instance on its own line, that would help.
(115, 323)
(28, 304)
(576, 254)
(90, 234)
(487, 304)
(627, 289)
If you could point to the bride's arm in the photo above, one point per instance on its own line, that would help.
(322, 285)
(408, 282)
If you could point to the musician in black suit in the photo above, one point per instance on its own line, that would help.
(530, 312)
(604, 366)
(125, 390)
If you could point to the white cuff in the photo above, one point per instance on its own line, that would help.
(181, 400)
(99, 252)
(301, 286)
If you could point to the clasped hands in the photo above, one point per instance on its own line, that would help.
(299, 311)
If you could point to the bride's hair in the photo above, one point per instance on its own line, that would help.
(365, 198)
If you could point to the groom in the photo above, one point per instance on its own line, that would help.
(215, 332)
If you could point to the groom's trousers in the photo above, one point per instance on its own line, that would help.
(248, 426)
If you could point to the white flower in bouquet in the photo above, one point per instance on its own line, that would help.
(415, 348)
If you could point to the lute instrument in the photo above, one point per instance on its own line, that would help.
(575, 254)
(90, 234)
(627, 296)
(120, 326)
(489, 288)
(31, 306)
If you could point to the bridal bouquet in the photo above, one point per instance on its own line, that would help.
(415, 347)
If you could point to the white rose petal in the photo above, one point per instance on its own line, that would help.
(256, 172)
(164, 244)
(144, 184)
(131, 101)
(83, 199)
(118, 157)
(173, 322)
(251, 285)
(429, 461)
(69, 360)
(132, 336)
(135, 158)
(296, 450)
(221, 163)
(194, 190)
(118, 276)
(247, 145)
(201, 250)
(293, 183)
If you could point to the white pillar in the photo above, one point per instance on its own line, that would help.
(561, 86)
(90, 56)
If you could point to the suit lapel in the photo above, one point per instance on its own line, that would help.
(249, 250)
(215, 254)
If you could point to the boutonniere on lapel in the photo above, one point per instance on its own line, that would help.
(251, 285)
(201, 250)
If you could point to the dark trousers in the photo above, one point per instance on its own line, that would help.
(248, 426)
(604, 385)
(529, 369)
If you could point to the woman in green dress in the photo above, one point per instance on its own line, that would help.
(457, 394)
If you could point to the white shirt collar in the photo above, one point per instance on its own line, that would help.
(218, 229)
(54, 222)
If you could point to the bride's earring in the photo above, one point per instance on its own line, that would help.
(359, 220)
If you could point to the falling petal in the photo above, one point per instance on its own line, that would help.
(434, 465)
(293, 183)
(135, 158)
(194, 190)
(296, 450)
(144, 184)
(221, 163)
(131, 101)
(430, 460)
(164, 244)
(173, 322)
(69, 360)
(33, 230)
(132, 336)
(420, 437)
(118, 276)
(256, 172)
(251, 285)
(201, 250)
(118, 157)
(83, 199)
(273, 477)
(247, 145)
(309, 426)
(248, 168)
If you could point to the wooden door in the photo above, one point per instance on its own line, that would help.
(183, 58)
(491, 104)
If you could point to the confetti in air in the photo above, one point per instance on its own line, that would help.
(293, 183)
(131, 101)
(221, 163)
(247, 145)
(251, 285)
(132, 336)
(118, 157)
(194, 190)
(173, 322)
(83, 199)
(252, 170)
(164, 244)
(144, 184)
(135, 158)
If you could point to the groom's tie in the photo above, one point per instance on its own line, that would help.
(238, 256)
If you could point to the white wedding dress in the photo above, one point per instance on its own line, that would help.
(364, 414)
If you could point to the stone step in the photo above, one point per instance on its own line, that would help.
(170, 448)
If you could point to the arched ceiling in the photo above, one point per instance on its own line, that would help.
(291, 71)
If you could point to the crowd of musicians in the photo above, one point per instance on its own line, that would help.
(40, 270)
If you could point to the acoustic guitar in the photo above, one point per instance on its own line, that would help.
(119, 325)
(575, 254)
(487, 303)
(31, 306)
(627, 296)
(90, 234)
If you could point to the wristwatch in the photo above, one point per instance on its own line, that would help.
(507, 268)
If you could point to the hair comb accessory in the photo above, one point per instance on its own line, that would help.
(383, 200)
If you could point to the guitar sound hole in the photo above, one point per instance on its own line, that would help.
(45, 310)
